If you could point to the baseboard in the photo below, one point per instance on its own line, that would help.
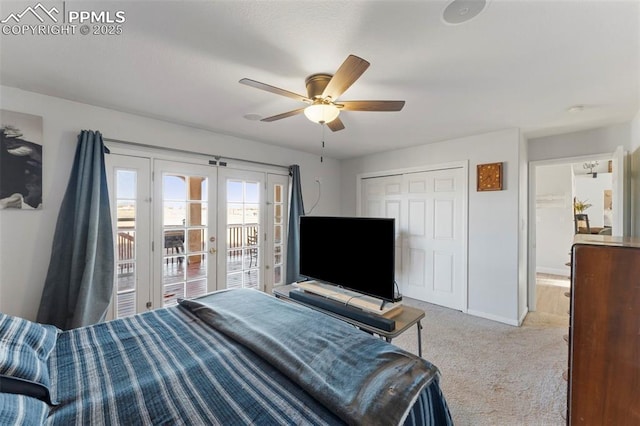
(493, 317)
(523, 316)
(554, 271)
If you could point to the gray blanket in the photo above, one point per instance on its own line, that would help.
(360, 378)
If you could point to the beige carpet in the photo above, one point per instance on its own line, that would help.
(493, 373)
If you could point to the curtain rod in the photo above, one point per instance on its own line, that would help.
(184, 151)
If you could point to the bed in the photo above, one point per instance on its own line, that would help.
(231, 357)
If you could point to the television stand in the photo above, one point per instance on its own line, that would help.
(404, 317)
(339, 308)
(349, 298)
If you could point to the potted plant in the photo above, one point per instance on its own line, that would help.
(580, 206)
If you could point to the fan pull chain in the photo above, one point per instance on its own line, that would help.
(322, 149)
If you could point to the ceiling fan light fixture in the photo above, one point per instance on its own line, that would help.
(322, 112)
(323, 90)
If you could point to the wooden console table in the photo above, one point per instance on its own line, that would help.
(405, 317)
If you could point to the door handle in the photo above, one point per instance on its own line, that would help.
(212, 250)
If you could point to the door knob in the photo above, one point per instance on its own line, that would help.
(212, 250)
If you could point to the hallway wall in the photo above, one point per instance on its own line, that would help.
(554, 218)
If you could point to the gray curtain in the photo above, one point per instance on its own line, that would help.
(79, 283)
(296, 209)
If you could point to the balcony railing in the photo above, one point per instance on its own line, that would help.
(174, 244)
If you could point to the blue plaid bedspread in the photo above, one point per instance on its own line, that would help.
(168, 367)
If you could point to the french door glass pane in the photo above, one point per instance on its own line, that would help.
(234, 260)
(126, 244)
(198, 214)
(234, 213)
(174, 213)
(126, 184)
(251, 212)
(277, 214)
(172, 293)
(277, 193)
(234, 191)
(197, 240)
(126, 213)
(174, 187)
(196, 288)
(197, 267)
(277, 234)
(125, 280)
(277, 251)
(234, 280)
(126, 303)
(252, 192)
(277, 275)
(251, 278)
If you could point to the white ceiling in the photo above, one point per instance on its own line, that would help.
(517, 64)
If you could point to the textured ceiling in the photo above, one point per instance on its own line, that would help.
(517, 64)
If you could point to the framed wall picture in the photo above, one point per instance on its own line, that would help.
(20, 161)
(489, 177)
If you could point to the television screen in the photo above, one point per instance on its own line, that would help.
(356, 253)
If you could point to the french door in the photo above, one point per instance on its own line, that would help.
(242, 226)
(183, 229)
(129, 180)
(277, 206)
(185, 241)
(253, 209)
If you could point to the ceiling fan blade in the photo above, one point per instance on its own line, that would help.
(371, 105)
(283, 115)
(276, 90)
(350, 70)
(335, 124)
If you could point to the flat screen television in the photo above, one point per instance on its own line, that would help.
(356, 253)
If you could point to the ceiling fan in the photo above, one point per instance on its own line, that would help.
(323, 91)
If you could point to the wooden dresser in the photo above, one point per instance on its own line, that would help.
(604, 334)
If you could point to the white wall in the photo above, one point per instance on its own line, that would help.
(26, 236)
(554, 218)
(523, 230)
(576, 144)
(494, 217)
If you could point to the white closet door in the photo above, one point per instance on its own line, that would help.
(433, 250)
(429, 208)
(383, 197)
